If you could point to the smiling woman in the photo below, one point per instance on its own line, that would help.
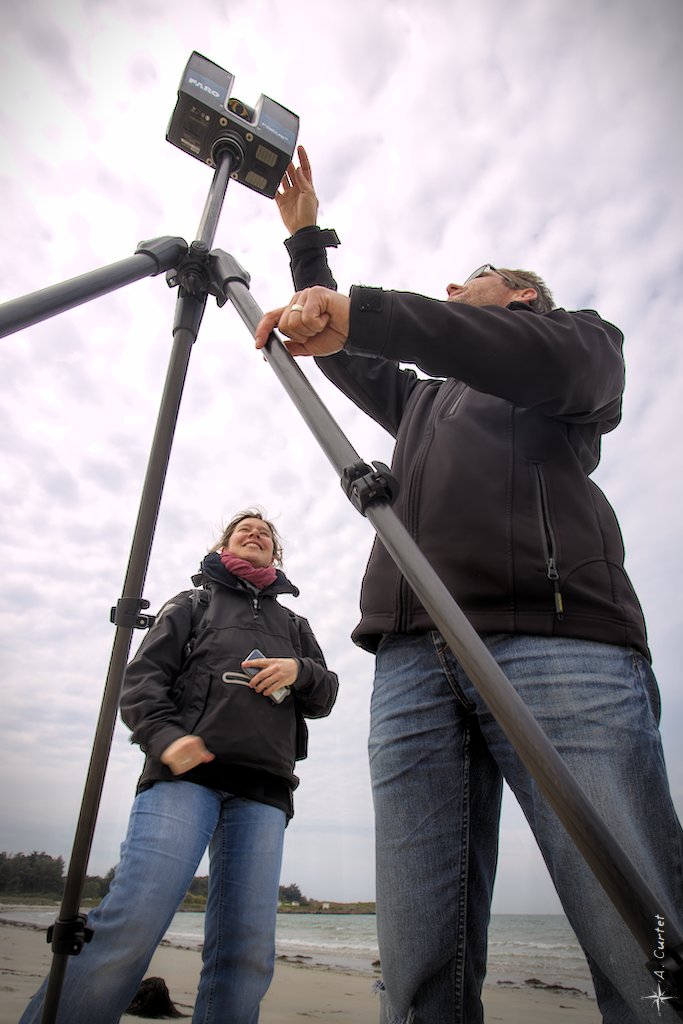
(221, 743)
(250, 527)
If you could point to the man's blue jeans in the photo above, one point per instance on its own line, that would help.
(170, 826)
(437, 758)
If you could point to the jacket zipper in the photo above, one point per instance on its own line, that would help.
(406, 595)
(411, 487)
(548, 539)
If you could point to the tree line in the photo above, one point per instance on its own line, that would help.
(39, 874)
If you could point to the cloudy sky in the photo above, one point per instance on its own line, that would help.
(443, 135)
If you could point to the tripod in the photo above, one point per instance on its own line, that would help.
(198, 271)
(192, 272)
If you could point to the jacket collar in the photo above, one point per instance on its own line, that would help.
(521, 305)
(213, 569)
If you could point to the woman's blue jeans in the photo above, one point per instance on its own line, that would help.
(170, 827)
(437, 759)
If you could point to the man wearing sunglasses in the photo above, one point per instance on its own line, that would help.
(483, 288)
(493, 455)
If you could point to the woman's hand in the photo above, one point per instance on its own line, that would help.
(186, 753)
(296, 200)
(274, 674)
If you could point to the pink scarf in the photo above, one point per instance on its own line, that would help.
(260, 578)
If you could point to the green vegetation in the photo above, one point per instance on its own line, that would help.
(39, 878)
(293, 902)
(324, 907)
(33, 878)
(31, 873)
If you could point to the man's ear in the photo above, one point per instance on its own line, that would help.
(525, 295)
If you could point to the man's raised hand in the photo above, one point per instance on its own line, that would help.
(296, 198)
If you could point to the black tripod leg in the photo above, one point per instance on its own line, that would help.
(151, 258)
(625, 886)
(68, 933)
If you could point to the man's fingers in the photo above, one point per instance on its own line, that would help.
(305, 164)
(268, 323)
(287, 318)
(315, 322)
(295, 348)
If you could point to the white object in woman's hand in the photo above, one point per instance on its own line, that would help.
(272, 674)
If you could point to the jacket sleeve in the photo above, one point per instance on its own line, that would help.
(378, 387)
(147, 704)
(308, 259)
(316, 687)
(563, 364)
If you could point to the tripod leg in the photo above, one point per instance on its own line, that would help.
(188, 318)
(193, 276)
(151, 258)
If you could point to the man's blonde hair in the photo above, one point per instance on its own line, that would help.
(544, 301)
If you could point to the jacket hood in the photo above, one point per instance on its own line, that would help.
(213, 569)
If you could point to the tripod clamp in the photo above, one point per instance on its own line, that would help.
(69, 937)
(126, 613)
(364, 487)
(201, 272)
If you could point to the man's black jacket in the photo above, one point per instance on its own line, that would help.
(493, 456)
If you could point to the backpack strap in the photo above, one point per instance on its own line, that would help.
(199, 601)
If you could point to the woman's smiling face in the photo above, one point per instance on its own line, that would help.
(252, 540)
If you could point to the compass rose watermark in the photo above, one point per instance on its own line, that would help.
(658, 998)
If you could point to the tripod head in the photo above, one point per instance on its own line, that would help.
(207, 121)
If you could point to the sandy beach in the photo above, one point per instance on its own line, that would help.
(297, 993)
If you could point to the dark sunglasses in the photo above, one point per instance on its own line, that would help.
(488, 269)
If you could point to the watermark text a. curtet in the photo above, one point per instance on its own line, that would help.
(659, 998)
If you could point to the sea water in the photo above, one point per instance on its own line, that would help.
(520, 947)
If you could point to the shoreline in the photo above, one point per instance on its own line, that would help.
(299, 989)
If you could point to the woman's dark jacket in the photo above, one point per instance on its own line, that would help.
(169, 693)
(493, 458)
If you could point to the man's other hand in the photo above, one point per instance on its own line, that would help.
(316, 322)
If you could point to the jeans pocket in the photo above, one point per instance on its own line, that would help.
(649, 683)
(449, 666)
